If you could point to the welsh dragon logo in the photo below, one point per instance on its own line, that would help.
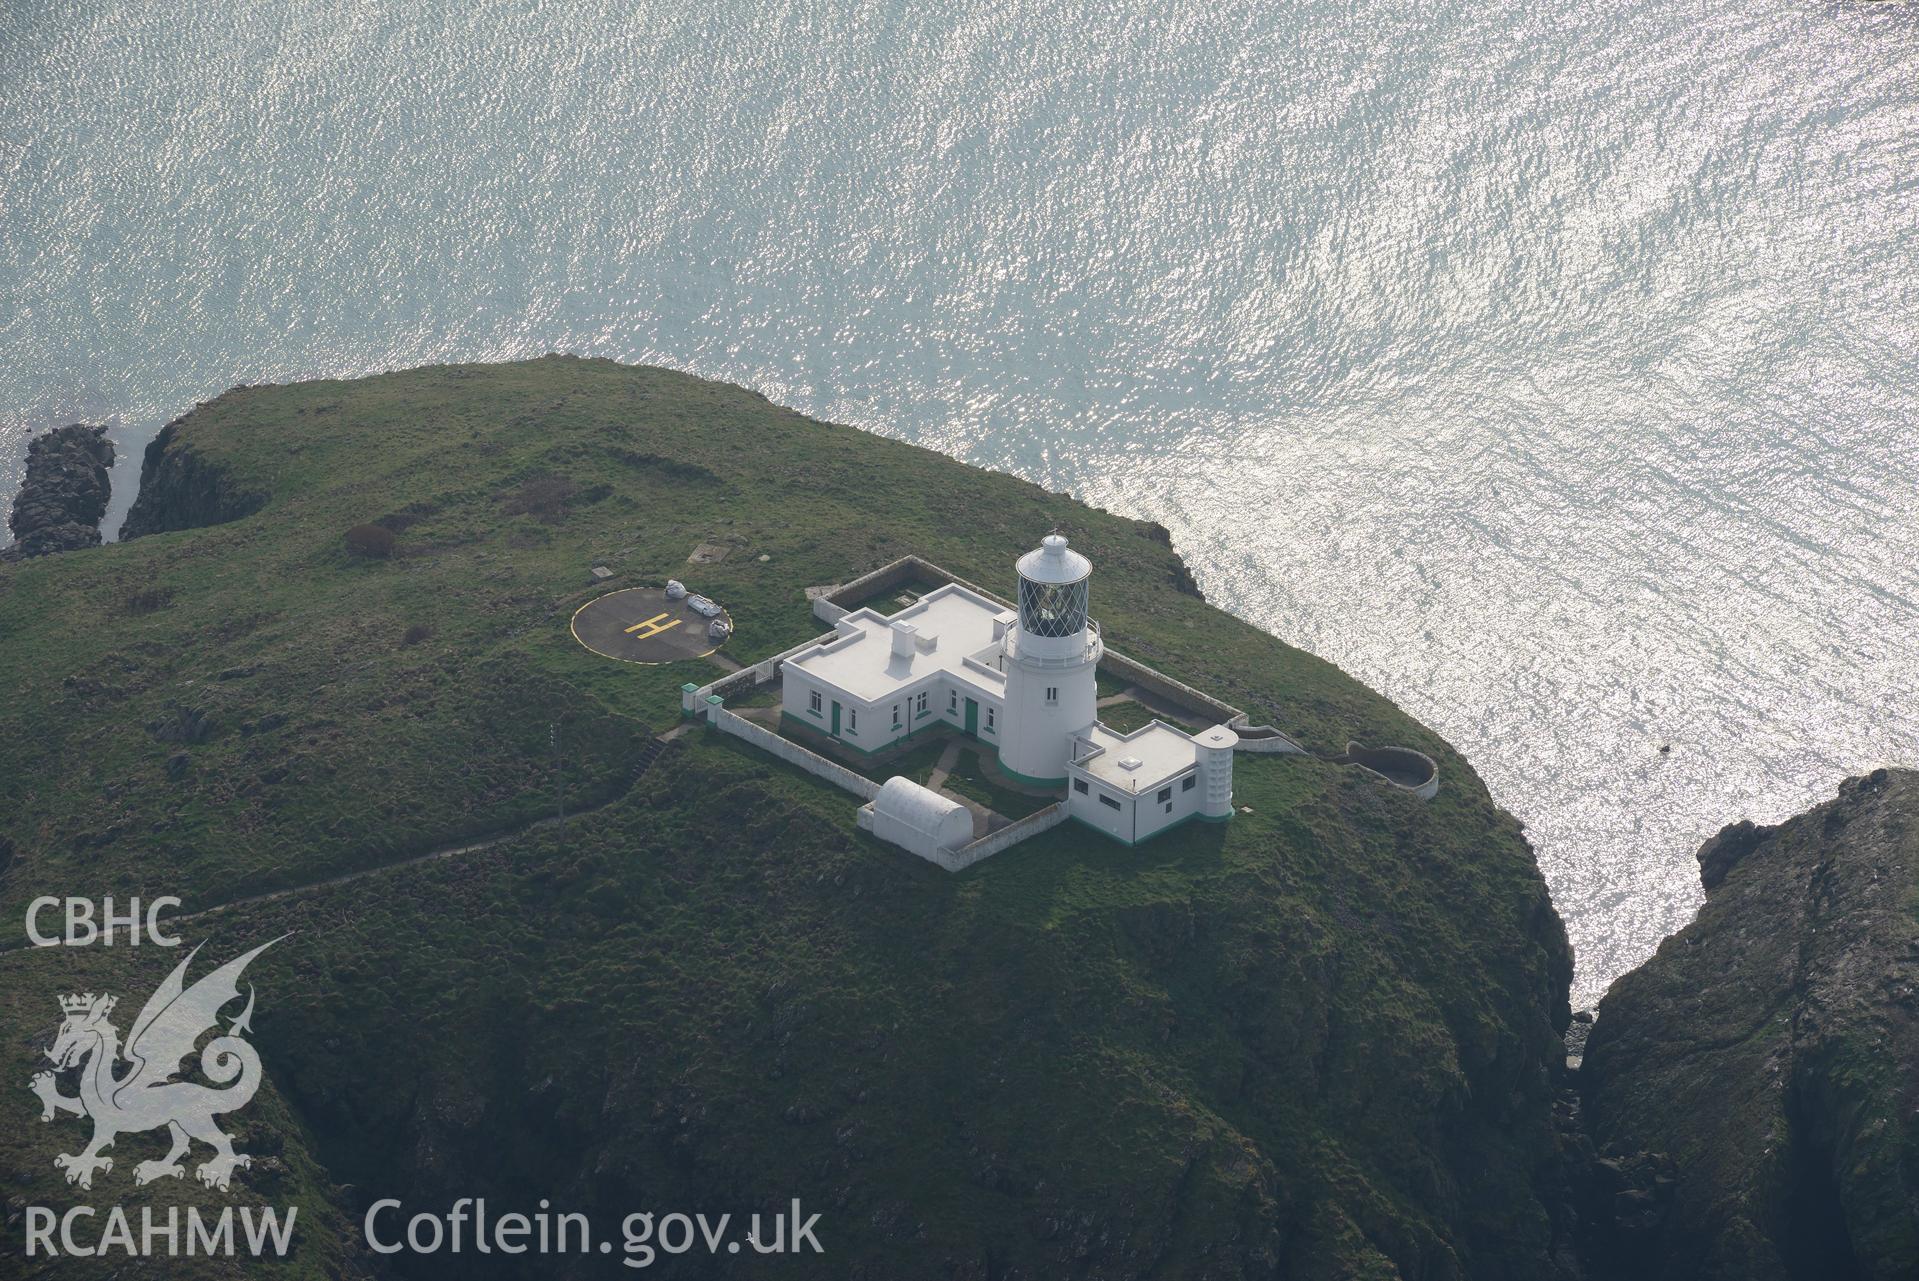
(144, 1096)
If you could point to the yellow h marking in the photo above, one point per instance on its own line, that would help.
(652, 627)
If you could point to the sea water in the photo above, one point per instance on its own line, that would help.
(1554, 369)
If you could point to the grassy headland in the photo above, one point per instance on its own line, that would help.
(1313, 1041)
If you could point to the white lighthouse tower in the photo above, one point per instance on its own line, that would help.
(1051, 656)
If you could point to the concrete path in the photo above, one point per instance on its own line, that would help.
(944, 766)
(1165, 709)
(984, 819)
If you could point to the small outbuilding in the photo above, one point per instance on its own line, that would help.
(919, 819)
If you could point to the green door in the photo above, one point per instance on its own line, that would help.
(972, 717)
(836, 718)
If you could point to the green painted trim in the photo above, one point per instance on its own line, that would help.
(1028, 779)
(1172, 826)
(1213, 818)
(1176, 823)
(908, 737)
(1074, 818)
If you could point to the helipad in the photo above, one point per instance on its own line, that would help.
(640, 625)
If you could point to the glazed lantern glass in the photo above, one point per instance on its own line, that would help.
(1052, 609)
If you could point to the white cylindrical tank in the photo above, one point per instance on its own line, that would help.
(1051, 655)
(918, 818)
(1216, 771)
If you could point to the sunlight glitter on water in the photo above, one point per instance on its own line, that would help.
(1552, 371)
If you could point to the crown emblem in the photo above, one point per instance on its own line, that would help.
(85, 1004)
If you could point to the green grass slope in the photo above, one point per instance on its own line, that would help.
(1312, 1042)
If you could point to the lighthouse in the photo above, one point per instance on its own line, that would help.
(1020, 682)
(1051, 654)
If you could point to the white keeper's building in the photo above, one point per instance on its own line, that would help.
(1021, 681)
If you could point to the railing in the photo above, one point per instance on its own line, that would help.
(1095, 649)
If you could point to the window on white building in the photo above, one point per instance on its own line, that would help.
(1052, 693)
(852, 718)
(896, 716)
(919, 704)
(952, 700)
(813, 702)
(1108, 801)
(989, 720)
(1079, 785)
(1188, 783)
(1165, 794)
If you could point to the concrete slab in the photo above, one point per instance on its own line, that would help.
(640, 625)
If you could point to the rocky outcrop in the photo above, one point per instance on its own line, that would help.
(1182, 576)
(64, 494)
(180, 489)
(1771, 1050)
(1719, 855)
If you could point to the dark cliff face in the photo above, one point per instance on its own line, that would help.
(64, 494)
(1771, 1049)
(179, 489)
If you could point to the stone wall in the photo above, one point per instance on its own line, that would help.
(792, 753)
(1264, 738)
(906, 569)
(1404, 768)
(1154, 682)
(993, 842)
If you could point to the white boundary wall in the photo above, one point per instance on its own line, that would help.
(787, 750)
(958, 860)
(1274, 741)
(1424, 791)
(1148, 677)
(694, 700)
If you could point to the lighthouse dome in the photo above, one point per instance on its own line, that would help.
(1054, 562)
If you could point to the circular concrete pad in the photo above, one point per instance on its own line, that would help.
(640, 625)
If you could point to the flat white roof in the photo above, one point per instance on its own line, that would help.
(957, 622)
(1160, 751)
